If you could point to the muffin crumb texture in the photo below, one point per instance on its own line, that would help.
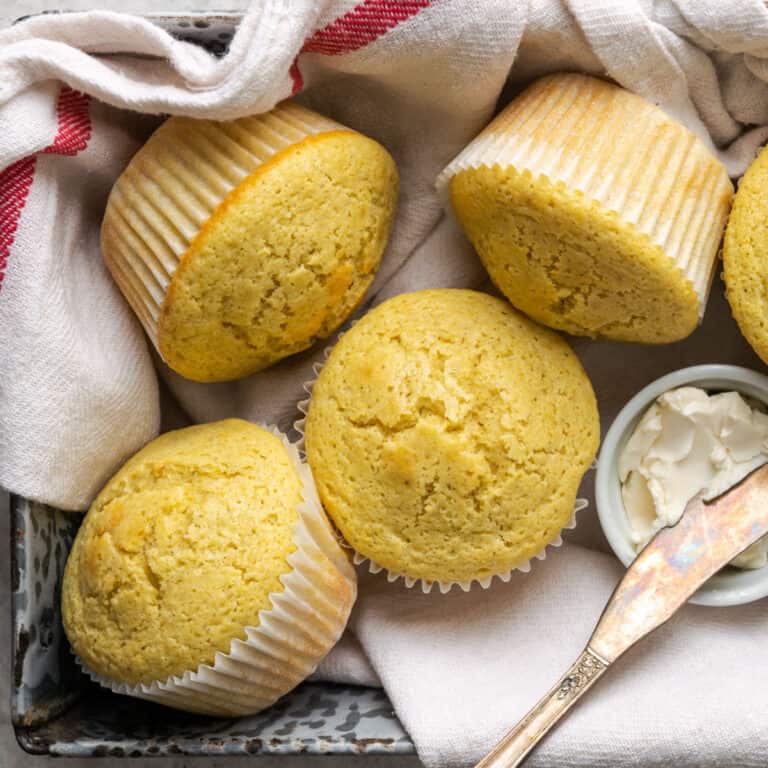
(569, 263)
(240, 243)
(745, 256)
(283, 261)
(180, 552)
(448, 435)
(594, 212)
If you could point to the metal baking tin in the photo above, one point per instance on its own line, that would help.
(55, 711)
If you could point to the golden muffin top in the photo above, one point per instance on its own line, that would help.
(240, 243)
(594, 211)
(180, 551)
(448, 434)
(745, 256)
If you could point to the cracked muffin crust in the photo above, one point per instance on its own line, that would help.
(243, 242)
(180, 551)
(745, 256)
(447, 434)
(593, 211)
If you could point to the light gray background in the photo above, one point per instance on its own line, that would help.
(10, 754)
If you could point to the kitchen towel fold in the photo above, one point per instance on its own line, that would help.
(78, 384)
(462, 670)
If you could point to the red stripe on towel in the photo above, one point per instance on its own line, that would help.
(362, 25)
(73, 112)
(15, 182)
(72, 135)
(296, 78)
(356, 29)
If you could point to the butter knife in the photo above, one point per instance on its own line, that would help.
(664, 575)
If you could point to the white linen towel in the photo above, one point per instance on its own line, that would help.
(77, 387)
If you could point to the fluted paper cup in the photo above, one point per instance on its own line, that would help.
(304, 622)
(620, 151)
(172, 188)
(426, 586)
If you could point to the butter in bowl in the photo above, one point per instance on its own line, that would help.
(694, 432)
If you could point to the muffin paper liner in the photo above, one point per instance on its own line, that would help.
(292, 637)
(175, 183)
(410, 581)
(619, 152)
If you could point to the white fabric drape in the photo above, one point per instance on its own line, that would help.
(78, 384)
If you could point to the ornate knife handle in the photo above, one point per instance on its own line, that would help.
(513, 748)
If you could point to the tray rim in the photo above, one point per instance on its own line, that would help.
(33, 739)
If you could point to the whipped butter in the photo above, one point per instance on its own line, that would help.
(689, 443)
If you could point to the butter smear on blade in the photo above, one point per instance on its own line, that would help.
(688, 443)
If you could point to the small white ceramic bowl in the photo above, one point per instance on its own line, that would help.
(731, 586)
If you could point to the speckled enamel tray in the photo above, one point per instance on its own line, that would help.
(56, 712)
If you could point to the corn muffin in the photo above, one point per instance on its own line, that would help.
(448, 434)
(745, 256)
(242, 242)
(593, 211)
(205, 574)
